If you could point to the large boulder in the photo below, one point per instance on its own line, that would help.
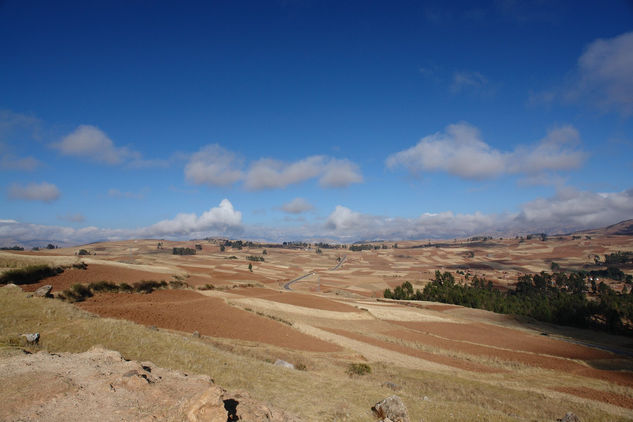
(392, 408)
(44, 291)
(32, 338)
(285, 364)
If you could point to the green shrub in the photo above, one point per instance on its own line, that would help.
(178, 284)
(125, 288)
(358, 369)
(29, 275)
(76, 293)
(148, 286)
(103, 286)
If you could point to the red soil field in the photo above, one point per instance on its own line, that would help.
(444, 360)
(507, 338)
(188, 311)
(297, 299)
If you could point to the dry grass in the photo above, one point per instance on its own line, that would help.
(323, 392)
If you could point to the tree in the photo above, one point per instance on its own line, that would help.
(250, 267)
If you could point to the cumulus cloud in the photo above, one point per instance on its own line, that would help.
(90, 142)
(340, 173)
(220, 220)
(462, 152)
(46, 192)
(604, 73)
(270, 174)
(214, 166)
(297, 206)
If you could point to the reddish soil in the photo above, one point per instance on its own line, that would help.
(507, 338)
(297, 299)
(444, 360)
(603, 396)
(95, 273)
(188, 311)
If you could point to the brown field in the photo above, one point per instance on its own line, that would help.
(333, 317)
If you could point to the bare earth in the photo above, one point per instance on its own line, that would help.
(336, 313)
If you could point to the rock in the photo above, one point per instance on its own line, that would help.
(209, 406)
(32, 338)
(569, 417)
(216, 405)
(285, 364)
(392, 408)
(196, 334)
(44, 291)
(153, 328)
(392, 386)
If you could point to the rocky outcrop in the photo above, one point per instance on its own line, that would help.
(44, 291)
(391, 409)
(100, 385)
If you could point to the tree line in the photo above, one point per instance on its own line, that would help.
(559, 298)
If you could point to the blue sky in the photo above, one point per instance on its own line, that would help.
(305, 119)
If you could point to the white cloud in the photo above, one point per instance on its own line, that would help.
(567, 211)
(10, 121)
(604, 72)
(11, 162)
(297, 206)
(465, 80)
(214, 166)
(270, 174)
(92, 143)
(220, 220)
(46, 192)
(340, 173)
(461, 151)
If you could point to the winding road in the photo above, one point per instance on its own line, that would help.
(334, 268)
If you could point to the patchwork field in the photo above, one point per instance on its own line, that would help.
(446, 361)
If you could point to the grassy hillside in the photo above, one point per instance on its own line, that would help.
(324, 391)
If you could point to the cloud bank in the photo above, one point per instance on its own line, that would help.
(222, 220)
(567, 211)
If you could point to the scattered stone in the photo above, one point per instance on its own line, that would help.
(153, 328)
(44, 291)
(285, 364)
(426, 398)
(391, 409)
(32, 338)
(391, 386)
(196, 334)
(569, 417)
